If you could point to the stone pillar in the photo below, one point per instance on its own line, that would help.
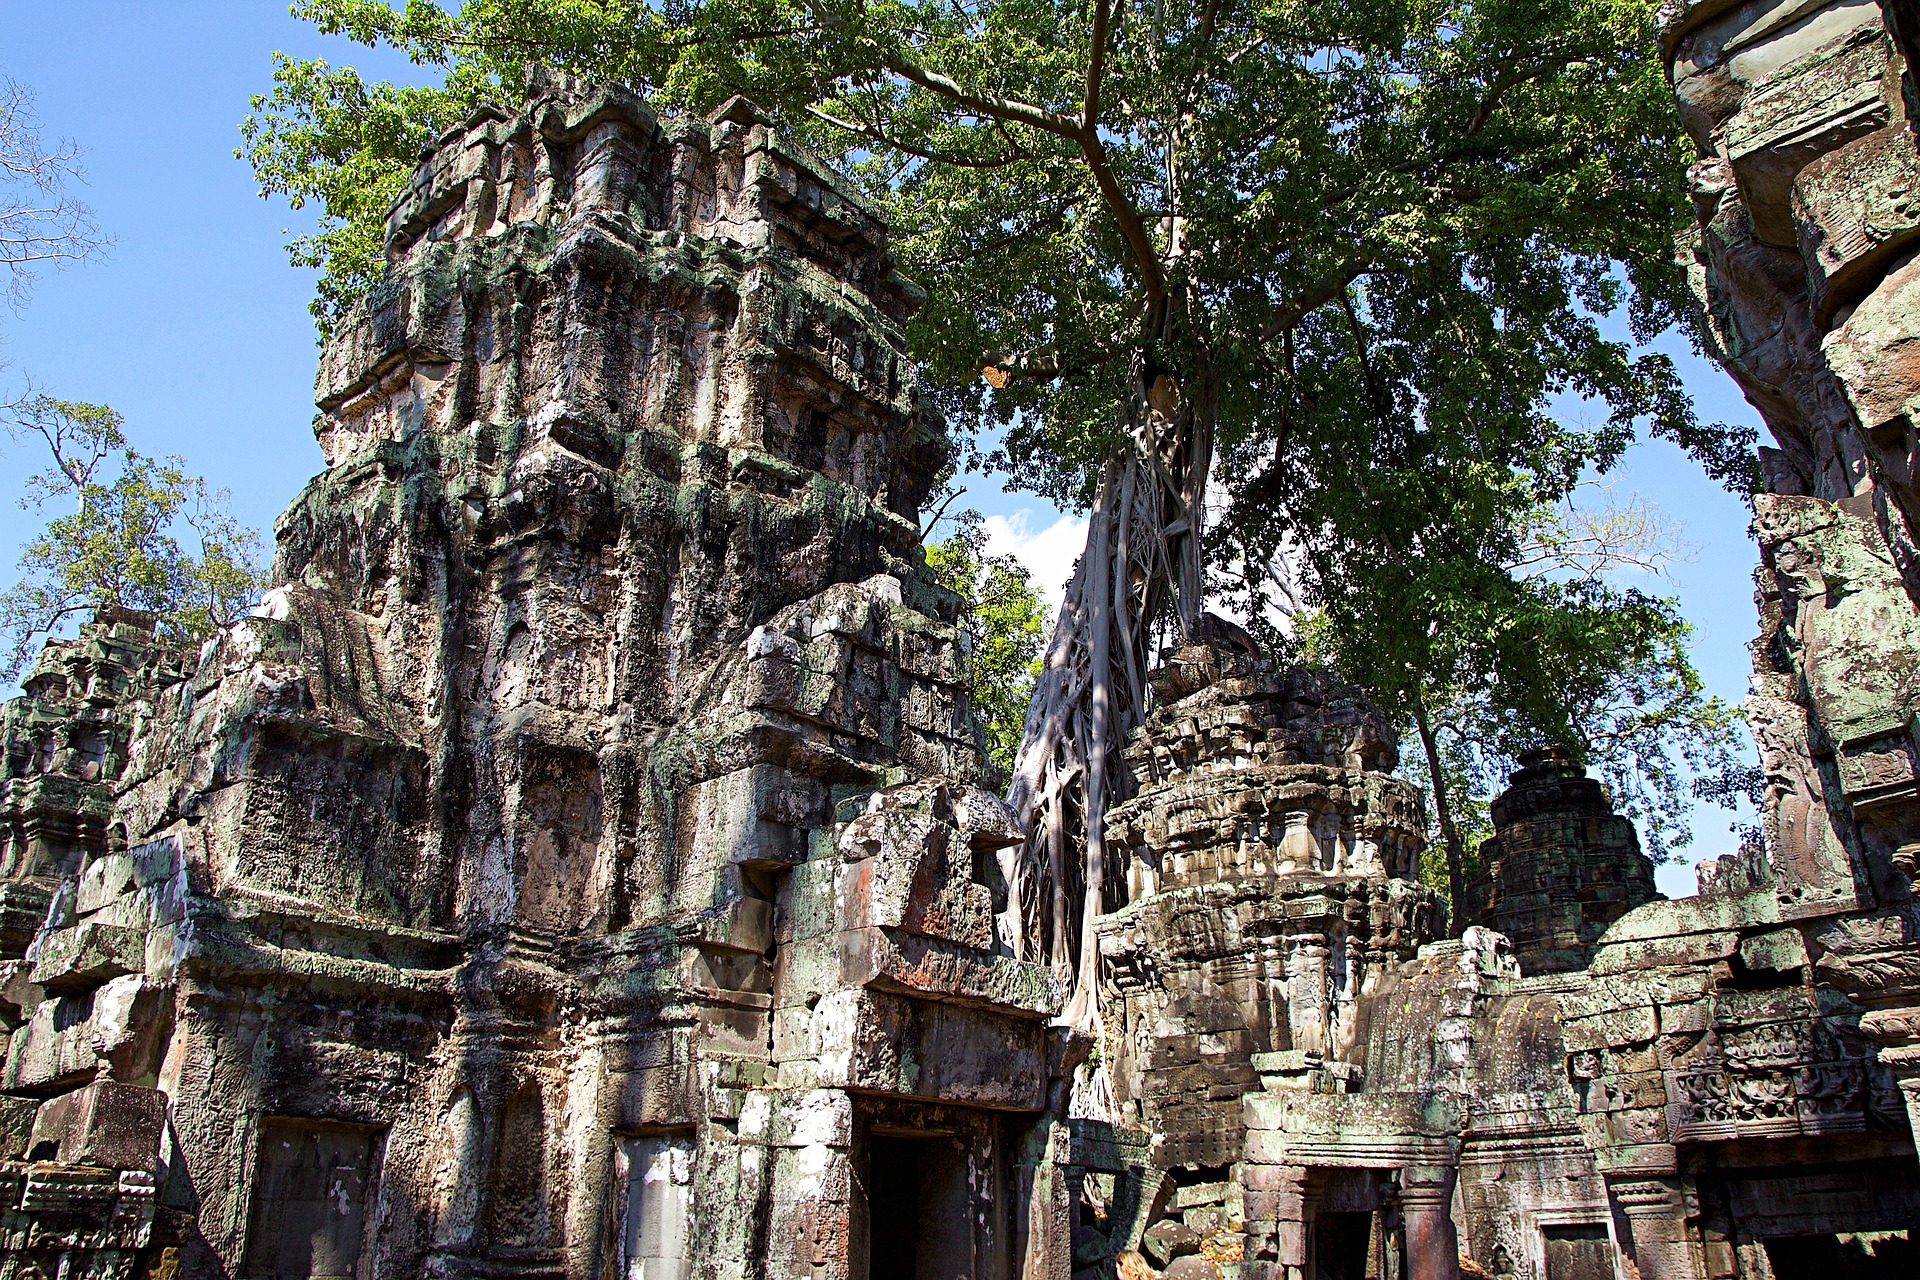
(1662, 1243)
(1897, 1030)
(1280, 1204)
(1426, 1208)
(1905, 1062)
(1307, 996)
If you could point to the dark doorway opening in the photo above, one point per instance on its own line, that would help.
(1880, 1255)
(893, 1207)
(919, 1226)
(1340, 1245)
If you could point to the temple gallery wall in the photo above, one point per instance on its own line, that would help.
(580, 867)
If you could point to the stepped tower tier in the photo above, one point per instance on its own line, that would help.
(1272, 858)
(1561, 867)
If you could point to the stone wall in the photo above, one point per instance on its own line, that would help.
(1803, 263)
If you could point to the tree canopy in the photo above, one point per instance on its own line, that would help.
(1341, 258)
(1491, 177)
(1002, 626)
(120, 544)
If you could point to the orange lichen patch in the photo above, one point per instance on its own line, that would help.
(1224, 1246)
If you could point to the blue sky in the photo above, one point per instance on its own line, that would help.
(196, 328)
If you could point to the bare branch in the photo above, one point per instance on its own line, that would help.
(39, 222)
(1587, 544)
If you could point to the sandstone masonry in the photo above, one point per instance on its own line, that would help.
(580, 869)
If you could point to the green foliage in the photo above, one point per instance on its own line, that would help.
(1499, 662)
(1352, 210)
(327, 135)
(1482, 166)
(1385, 229)
(1002, 626)
(121, 542)
(1377, 237)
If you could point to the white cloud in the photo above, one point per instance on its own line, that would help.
(1048, 554)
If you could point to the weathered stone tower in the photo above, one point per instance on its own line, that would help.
(1563, 867)
(577, 871)
(1274, 862)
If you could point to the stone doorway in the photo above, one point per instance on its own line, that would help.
(308, 1220)
(1341, 1245)
(1578, 1251)
(917, 1209)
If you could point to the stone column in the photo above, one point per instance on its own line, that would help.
(1662, 1243)
(1426, 1208)
(1280, 1204)
(1897, 1030)
(1307, 996)
(1905, 1062)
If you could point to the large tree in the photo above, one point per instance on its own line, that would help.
(1348, 253)
(114, 536)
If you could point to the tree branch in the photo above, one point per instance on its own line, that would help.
(989, 105)
(875, 134)
(1491, 99)
(1044, 363)
(1152, 279)
(1333, 284)
(1374, 393)
(1096, 67)
(1086, 133)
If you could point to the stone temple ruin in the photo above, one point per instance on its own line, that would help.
(580, 867)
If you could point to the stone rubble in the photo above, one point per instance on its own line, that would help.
(579, 867)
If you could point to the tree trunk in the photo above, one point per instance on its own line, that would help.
(1456, 852)
(1142, 556)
